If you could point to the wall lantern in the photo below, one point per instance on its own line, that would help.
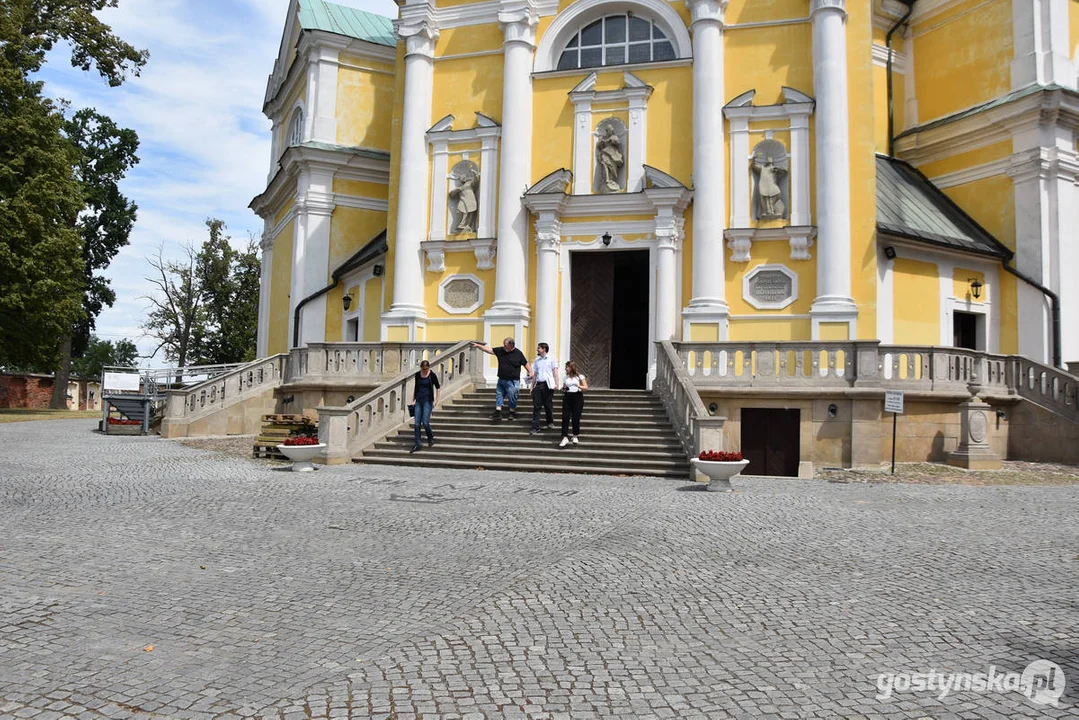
(347, 302)
(889, 252)
(377, 270)
(606, 239)
(833, 410)
(975, 287)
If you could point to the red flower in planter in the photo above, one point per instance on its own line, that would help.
(300, 440)
(120, 421)
(720, 456)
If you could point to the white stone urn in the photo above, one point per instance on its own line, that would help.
(720, 472)
(301, 455)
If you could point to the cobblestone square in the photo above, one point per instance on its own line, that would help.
(140, 578)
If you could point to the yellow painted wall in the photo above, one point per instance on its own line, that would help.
(770, 330)
(359, 189)
(364, 102)
(277, 340)
(991, 202)
(777, 252)
(350, 230)
(863, 170)
(969, 159)
(395, 176)
(283, 211)
(748, 11)
(372, 308)
(767, 58)
(916, 298)
(1073, 23)
(951, 72)
(880, 104)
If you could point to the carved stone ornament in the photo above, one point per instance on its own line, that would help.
(610, 174)
(770, 187)
(485, 253)
(436, 259)
(464, 198)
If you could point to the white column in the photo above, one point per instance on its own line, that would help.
(1040, 37)
(548, 239)
(417, 28)
(266, 275)
(518, 20)
(708, 305)
(833, 303)
(668, 236)
(311, 254)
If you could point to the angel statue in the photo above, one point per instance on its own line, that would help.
(769, 192)
(467, 206)
(609, 156)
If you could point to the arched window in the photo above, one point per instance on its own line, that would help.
(616, 40)
(295, 128)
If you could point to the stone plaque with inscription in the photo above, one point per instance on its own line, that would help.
(770, 287)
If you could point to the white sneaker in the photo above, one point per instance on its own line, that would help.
(573, 439)
(564, 443)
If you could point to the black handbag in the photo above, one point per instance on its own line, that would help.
(412, 411)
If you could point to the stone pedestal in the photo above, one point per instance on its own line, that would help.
(974, 452)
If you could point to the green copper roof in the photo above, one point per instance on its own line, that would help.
(347, 21)
(910, 206)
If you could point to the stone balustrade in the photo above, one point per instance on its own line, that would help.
(1049, 387)
(198, 402)
(695, 427)
(358, 362)
(347, 430)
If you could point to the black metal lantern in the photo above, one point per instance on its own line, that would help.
(976, 288)
(606, 239)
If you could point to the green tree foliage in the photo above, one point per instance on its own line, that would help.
(205, 309)
(41, 191)
(101, 353)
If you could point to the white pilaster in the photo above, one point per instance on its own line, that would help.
(910, 97)
(833, 304)
(946, 293)
(582, 144)
(488, 185)
(708, 306)
(418, 29)
(518, 19)
(321, 117)
(740, 203)
(275, 148)
(1040, 37)
(262, 335)
(669, 235)
(311, 254)
(548, 240)
(440, 172)
(637, 93)
(801, 215)
(885, 298)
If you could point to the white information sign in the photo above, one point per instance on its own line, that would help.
(893, 401)
(120, 381)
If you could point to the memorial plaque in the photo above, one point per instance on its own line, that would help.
(770, 287)
(462, 293)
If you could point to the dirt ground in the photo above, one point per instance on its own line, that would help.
(1014, 472)
(23, 415)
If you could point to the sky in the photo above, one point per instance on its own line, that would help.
(204, 143)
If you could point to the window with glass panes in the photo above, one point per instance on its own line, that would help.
(616, 40)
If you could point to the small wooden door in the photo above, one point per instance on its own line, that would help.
(591, 315)
(770, 441)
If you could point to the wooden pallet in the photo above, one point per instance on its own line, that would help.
(276, 429)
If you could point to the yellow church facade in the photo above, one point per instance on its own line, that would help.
(600, 175)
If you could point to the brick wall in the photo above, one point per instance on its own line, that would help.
(25, 391)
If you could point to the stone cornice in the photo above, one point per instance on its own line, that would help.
(518, 20)
(343, 164)
(418, 28)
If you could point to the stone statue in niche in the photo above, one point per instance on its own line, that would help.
(770, 170)
(464, 198)
(610, 160)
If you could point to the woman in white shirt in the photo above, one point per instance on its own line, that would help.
(573, 387)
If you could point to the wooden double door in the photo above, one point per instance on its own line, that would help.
(609, 317)
(770, 441)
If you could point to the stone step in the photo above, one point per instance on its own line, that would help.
(486, 412)
(573, 462)
(533, 446)
(668, 441)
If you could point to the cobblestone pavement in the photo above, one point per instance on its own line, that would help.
(143, 579)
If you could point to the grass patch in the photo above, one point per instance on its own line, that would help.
(8, 415)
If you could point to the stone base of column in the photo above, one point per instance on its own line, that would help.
(404, 323)
(974, 453)
(706, 322)
(834, 318)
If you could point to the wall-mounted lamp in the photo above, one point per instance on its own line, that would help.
(347, 302)
(606, 239)
(889, 252)
(377, 270)
(975, 287)
(712, 408)
(833, 410)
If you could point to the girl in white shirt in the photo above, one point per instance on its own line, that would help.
(573, 387)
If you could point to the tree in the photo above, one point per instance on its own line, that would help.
(103, 353)
(105, 154)
(40, 193)
(205, 310)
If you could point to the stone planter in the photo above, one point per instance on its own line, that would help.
(720, 472)
(301, 455)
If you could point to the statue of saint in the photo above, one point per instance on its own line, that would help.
(467, 205)
(769, 193)
(609, 158)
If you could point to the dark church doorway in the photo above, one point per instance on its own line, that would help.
(609, 317)
(770, 441)
(967, 330)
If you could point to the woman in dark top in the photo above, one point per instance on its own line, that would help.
(425, 396)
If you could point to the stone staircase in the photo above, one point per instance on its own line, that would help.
(623, 432)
